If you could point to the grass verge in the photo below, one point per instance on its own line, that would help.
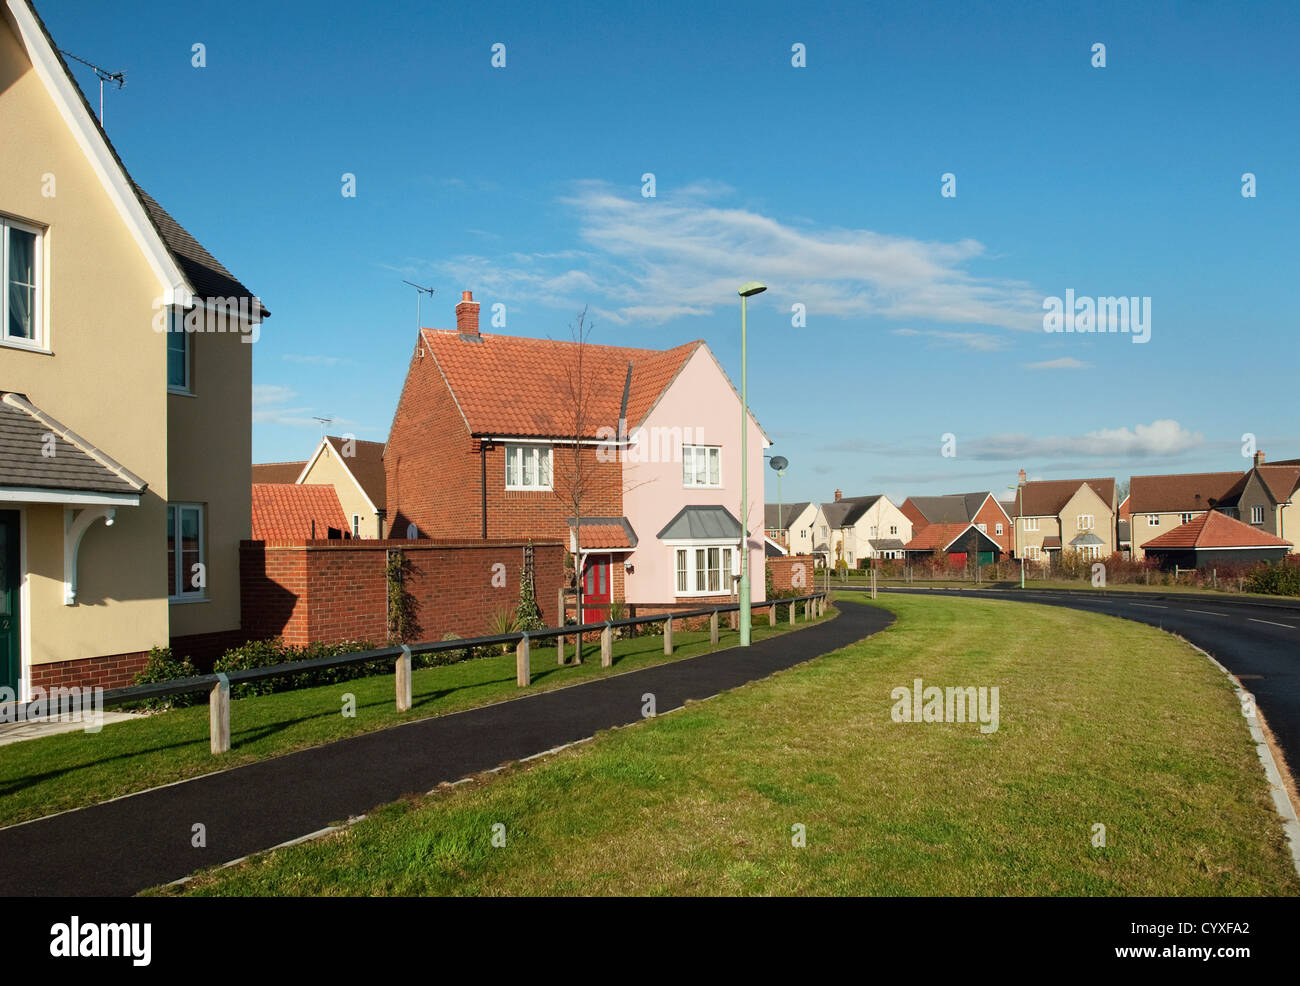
(1101, 721)
(71, 770)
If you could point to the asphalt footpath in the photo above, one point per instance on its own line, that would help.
(124, 846)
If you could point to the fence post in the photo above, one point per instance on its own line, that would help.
(668, 635)
(607, 646)
(734, 619)
(559, 650)
(771, 615)
(873, 583)
(404, 680)
(793, 606)
(560, 605)
(713, 629)
(522, 671)
(219, 715)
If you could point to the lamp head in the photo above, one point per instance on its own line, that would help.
(751, 289)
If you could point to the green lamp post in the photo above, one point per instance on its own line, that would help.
(746, 292)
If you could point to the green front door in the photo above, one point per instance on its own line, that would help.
(10, 579)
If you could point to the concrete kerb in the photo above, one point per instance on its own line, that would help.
(1276, 784)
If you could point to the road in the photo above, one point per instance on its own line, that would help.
(1258, 641)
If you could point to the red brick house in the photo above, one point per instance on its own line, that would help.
(980, 509)
(486, 443)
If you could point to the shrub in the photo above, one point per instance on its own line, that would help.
(162, 666)
(266, 653)
(503, 621)
(1280, 579)
(448, 656)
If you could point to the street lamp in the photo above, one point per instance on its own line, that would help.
(746, 291)
(780, 463)
(1020, 492)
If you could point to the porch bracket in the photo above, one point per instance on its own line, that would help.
(75, 525)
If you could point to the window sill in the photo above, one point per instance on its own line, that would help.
(529, 489)
(696, 486)
(179, 392)
(176, 600)
(27, 347)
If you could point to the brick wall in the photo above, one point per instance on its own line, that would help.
(787, 568)
(330, 591)
(434, 471)
(112, 671)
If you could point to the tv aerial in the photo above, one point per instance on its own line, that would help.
(103, 75)
(421, 291)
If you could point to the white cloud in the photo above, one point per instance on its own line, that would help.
(1161, 438)
(649, 260)
(1064, 363)
(314, 359)
(980, 341)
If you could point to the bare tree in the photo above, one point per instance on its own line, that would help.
(572, 488)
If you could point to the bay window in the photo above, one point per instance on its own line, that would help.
(704, 570)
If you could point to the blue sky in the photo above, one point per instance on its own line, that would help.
(924, 313)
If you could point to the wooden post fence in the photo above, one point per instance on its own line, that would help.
(403, 677)
(219, 715)
(771, 615)
(713, 629)
(522, 671)
(607, 646)
(668, 635)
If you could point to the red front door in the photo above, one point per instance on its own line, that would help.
(596, 587)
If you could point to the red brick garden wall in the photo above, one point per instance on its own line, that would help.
(789, 568)
(113, 671)
(329, 591)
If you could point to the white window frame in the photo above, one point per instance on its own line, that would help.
(1031, 552)
(176, 326)
(997, 528)
(535, 453)
(184, 576)
(712, 453)
(1083, 522)
(1031, 523)
(893, 529)
(727, 551)
(39, 340)
(983, 528)
(356, 525)
(1153, 520)
(1186, 518)
(1257, 514)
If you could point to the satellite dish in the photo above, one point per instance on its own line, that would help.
(780, 462)
(412, 532)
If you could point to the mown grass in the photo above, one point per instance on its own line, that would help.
(1101, 721)
(71, 770)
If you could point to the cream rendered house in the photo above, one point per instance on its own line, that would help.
(124, 446)
(863, 527)
(1064, 515)
(356, 471)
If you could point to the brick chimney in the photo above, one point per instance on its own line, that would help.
(839, 494)
(467, 316)
(1259, 458)
(1022, 477)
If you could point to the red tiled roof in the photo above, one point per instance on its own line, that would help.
(1046, 497)
(935, 536)
(1215, 530)
(1179, 492)
(593, 537)
(286, 510)
(509, 385)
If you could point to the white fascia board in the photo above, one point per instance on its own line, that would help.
(49, 69)
(18, 494)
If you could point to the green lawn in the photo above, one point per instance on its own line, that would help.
(1101, 721)
(71, 770)
(858, 579)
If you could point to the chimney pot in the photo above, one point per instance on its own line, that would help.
(1022, 477)
(467, 315)
(1259, 458)
(839, 494)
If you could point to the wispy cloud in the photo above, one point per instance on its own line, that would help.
(275, 403)
(683, 253)
(1160, 439)
(1064, 363)
(981, 341)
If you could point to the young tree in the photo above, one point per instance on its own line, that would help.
(573, 486)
